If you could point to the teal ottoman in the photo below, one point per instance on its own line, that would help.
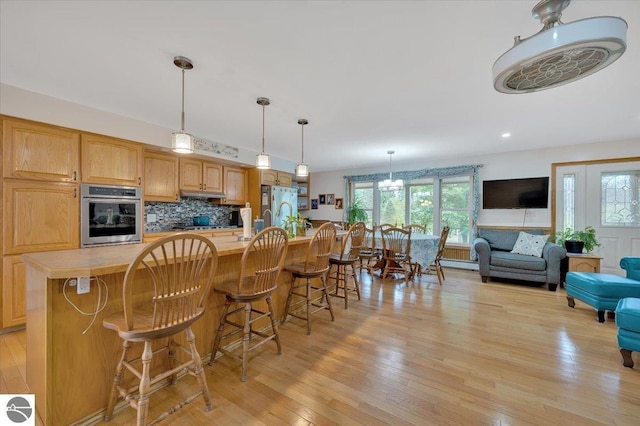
(628, 322)
(602, 291)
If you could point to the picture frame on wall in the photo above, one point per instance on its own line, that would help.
(322, 199)
(314, 204)
(331, 199)
(339, 203)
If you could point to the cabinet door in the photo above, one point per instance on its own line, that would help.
(212, 177)
(284, 179)
(111, 161)
(160, 177)
(235, 185)
(269, 177)
(190, 174)
(38, 151)
(14, 302)
(40, 216)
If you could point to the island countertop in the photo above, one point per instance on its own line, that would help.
(94, 261)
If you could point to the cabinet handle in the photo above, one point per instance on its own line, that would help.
(75, 192)
(75, 176)
(205, 187)
(139, 181)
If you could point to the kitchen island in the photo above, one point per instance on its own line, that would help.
(70, 370)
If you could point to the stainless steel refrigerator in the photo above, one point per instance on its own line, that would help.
(280, 201)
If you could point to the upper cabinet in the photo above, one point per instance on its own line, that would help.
(111, 161)
(275, 177)
(38, 151)
(302, 185)
(200, 175)
(235, 186)
(160, 177)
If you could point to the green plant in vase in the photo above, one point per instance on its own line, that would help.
(575, 241)
(356, 213)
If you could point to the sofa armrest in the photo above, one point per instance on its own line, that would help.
(553, 254)
(484, 253)
(632, 266)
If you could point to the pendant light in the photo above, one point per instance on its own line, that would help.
(390, 184)
(302, 170)
(182, 141)
(559, 53)
(263, 161)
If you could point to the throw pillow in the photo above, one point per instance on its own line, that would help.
(530, 244)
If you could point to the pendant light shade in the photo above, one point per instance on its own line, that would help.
(263, 161)
(559, 53)
(302, 170)
(182, 142)
(390, 184)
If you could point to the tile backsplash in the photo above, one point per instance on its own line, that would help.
(169, 215)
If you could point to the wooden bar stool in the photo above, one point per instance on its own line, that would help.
(342, 264)
(261, 263)
(316, 265)
(180, 269)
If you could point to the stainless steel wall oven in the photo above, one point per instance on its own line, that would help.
(110, 215)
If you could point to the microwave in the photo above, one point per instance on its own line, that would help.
(110, 215)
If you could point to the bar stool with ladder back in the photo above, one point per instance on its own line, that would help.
(396, 246)
(260, 265)
(179, 269)
(315, 266)
(343, 264)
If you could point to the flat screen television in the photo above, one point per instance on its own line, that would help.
(527, 193)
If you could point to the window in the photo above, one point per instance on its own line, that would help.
(620, 202)
(432, 202)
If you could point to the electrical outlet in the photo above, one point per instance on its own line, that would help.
(152, 218)
(84, 285)
(73, 282)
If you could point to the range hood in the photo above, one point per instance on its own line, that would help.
(202, 194)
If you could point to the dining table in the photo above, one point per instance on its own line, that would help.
(423, 250)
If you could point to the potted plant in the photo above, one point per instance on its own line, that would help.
(356, 213)
(575, 241)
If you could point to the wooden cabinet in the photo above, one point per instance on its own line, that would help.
(160, 177)
(38, 151)
(199, 175)
(14, 304)
(40, 216)
(583, 262)
(235, 186)
(110, 161)
(275, 177)
(302, 185)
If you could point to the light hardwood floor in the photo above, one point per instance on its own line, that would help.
(465, 353)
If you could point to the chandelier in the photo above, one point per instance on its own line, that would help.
(390, 184)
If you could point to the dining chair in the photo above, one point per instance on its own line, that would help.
(416, 228)
(342, 269)
(436, 266)
(179, 268)
(311, 298)
(369, 254)
(260, 265)
(384, 226)
(396, 246)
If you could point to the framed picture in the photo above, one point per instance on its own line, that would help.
(322, 199)
(339, 203)
(314, 204)
(331, 199)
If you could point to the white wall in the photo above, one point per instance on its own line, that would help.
(495, 166)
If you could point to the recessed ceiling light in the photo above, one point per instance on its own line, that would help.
(506, 135)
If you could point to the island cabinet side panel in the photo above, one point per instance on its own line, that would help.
(39, 353)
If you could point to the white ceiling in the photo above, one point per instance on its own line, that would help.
(369, 76)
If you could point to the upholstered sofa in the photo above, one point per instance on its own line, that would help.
(494, 246)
